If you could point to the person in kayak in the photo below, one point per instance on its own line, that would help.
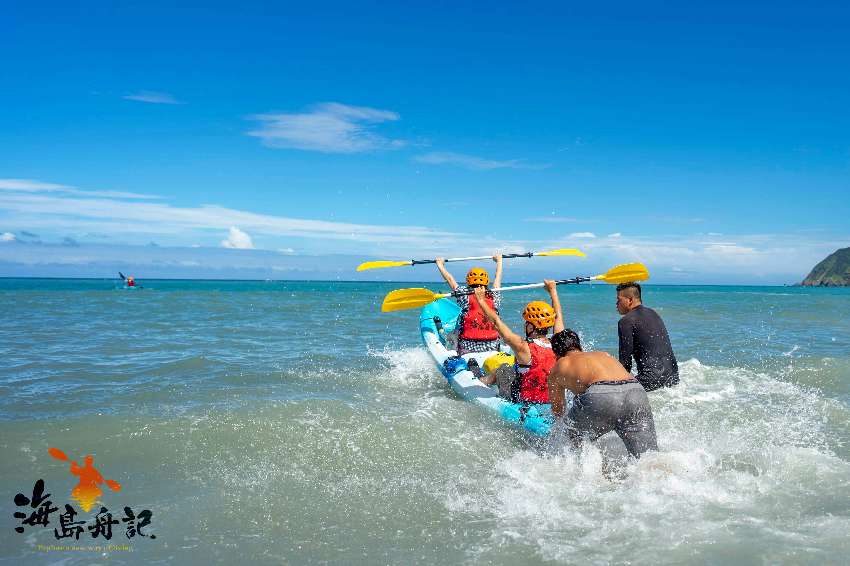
(607, 396)
(644, 337)
(131, 281)
(526, 381)
(475, 332)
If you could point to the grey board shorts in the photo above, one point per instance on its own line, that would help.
(621, 406)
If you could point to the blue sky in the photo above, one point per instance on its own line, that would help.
(287, 141)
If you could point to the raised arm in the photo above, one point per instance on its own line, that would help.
(556, 391)
(556, 304)
(441, 265)
(497, 281)
(516, 343)
(627, 343)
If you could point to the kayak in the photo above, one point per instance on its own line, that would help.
(437, 321)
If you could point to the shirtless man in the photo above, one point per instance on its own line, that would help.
(607, 396)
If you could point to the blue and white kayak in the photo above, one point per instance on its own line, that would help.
(436, 321)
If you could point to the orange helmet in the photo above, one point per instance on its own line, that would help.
(541, 315)
(477, 276)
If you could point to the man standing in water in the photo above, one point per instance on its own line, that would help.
(644, 337)
(607, 396)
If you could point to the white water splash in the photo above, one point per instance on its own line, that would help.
(738, 454)
(790, 352)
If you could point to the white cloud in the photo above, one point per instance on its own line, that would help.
(553, 219)
(70, 214)
(662, 219)
(32, 186)
(29, 185)
(329, 128)
(582, 235)
(730, 251)
(286, 250)
(615, 235)
(700, 258)
(153, 97)
(238, 240)
(472, 162)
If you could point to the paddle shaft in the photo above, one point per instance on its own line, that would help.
(532, 285)
(504, 256)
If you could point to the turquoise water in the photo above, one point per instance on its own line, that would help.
(293, 422)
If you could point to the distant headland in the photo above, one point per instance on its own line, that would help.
(834, 271)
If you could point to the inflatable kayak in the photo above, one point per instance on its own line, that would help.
(437, 321)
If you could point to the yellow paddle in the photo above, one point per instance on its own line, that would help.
(382, 264)
(402, 299)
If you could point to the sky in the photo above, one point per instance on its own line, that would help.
(289, 141)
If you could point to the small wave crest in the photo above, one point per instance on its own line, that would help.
(407, 367)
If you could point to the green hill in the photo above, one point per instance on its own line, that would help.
(834, 271)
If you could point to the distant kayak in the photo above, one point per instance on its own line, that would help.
(436, 322)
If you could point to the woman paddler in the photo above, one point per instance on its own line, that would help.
(476, 332)
(527, 380)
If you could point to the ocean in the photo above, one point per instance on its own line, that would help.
(277, 422)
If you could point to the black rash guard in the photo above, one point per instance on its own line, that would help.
(644, 337)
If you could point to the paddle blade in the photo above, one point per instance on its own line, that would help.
(625, 273)
(122, 275)
(58, 454)
(565, 251)
(380, 264)
(402, 299)
(113, 485)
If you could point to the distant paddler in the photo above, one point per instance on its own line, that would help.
(129, 280)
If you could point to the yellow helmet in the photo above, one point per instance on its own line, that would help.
(541, 315)
(477, 276)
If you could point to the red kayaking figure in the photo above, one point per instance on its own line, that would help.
(87, 490)
(131, 281)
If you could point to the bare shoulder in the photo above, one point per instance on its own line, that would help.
(563, 364)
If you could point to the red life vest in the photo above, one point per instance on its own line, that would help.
(534, 387)
(476, 326)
